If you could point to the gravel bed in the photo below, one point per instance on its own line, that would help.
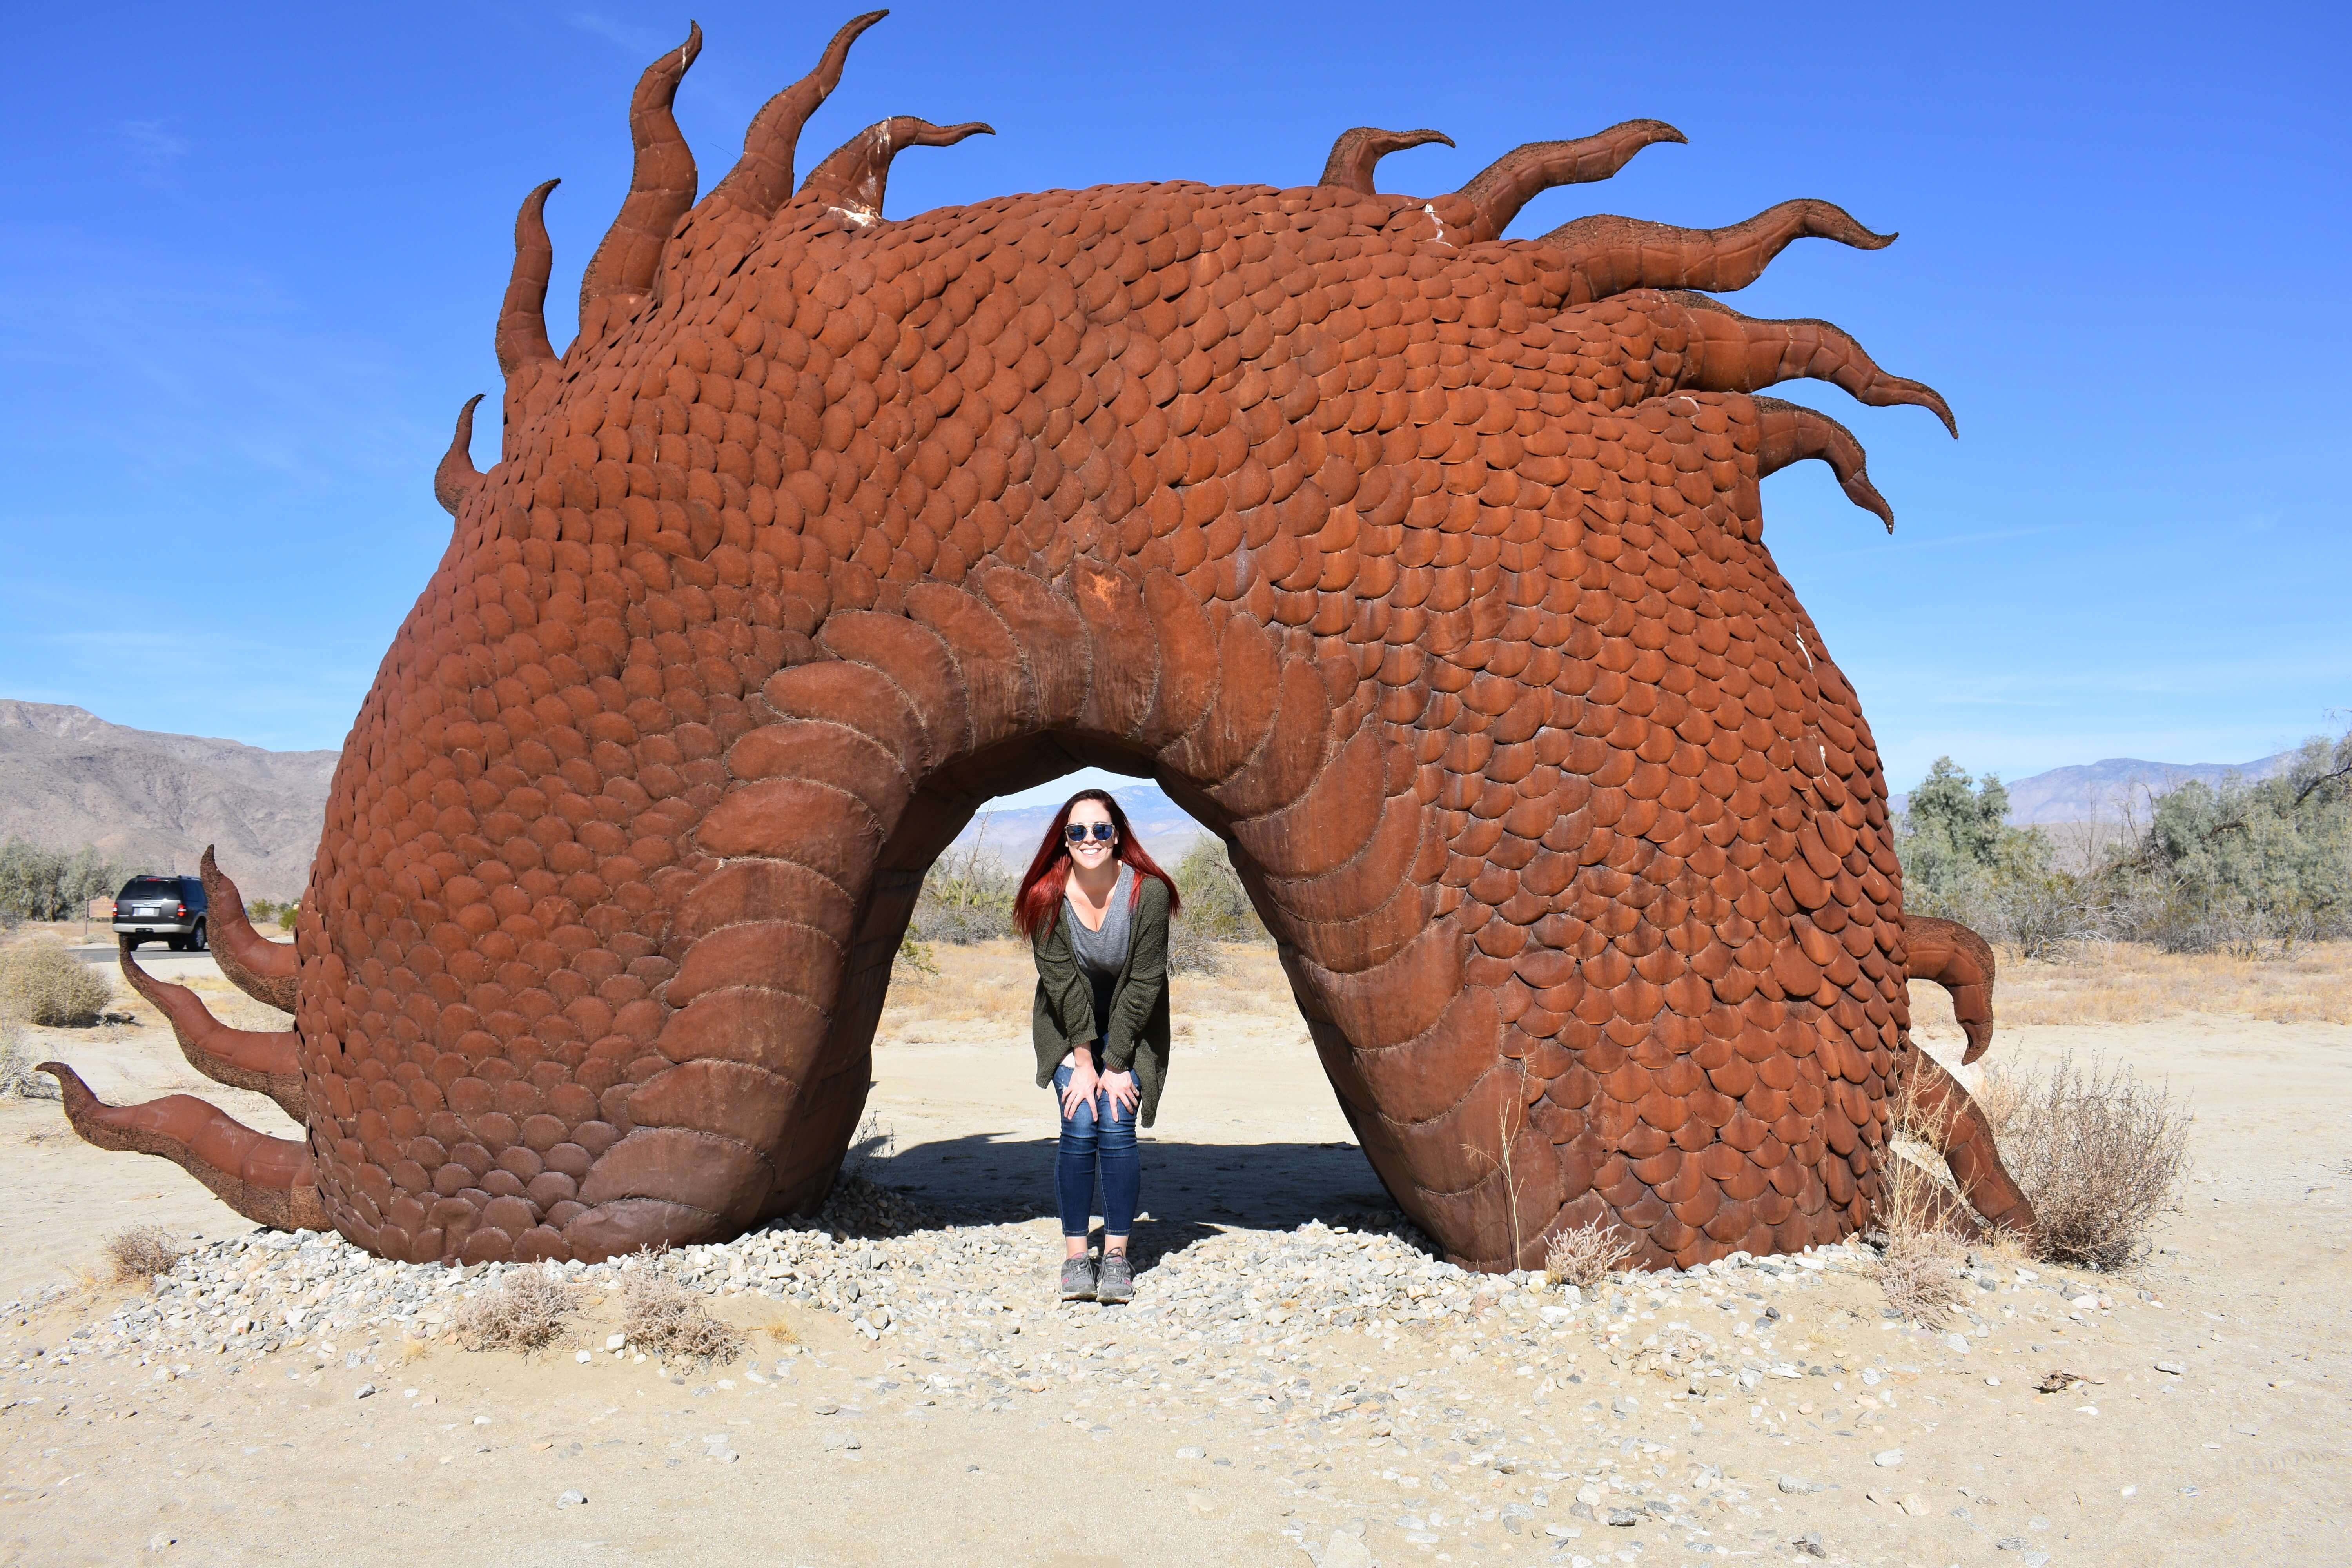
(1256, 1345)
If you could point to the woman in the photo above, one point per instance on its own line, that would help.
(1095, 909)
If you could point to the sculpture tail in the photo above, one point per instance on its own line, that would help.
(269, 1181)
(263, 970)
(1961, 962)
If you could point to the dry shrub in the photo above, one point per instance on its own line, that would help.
(140, 1253)
(525, 1312)
(18, 1079)
(1587, 1256)
(41, 983)
(662, 1316)
(2100, 1154)
(1998, 1094)
(1919, 1268)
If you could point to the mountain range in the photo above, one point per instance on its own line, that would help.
(154, 801)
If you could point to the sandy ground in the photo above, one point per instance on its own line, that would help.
(2241, 1460)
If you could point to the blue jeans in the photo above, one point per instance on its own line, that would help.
(1100, 1139)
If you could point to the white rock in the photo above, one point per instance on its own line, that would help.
(571, 1500)
(1345, 1551)
(1887, 1458)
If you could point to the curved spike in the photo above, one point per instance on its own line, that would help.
(1962, 962)
(1732, 353)
(761, 179)
(1611, 253)
(264, 1061)
(620, 276)
(853, 176)
(456, 476)
(1353, 155)
(522, 317)
(1950, 1118)
(1504, 186)
(262, 969)
(1792, 433)
(269, 1181)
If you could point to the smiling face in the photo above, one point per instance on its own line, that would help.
(1093, 850)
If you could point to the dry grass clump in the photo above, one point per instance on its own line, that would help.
(42, 984)
(2134, 983)
(2100, 1154)
(662, 1316)
(1587, 1256)
(525, 1312)
(1920, 1266)
(140, 1253)
(18, 1079)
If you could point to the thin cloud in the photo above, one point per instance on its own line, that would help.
(152, 149)
(636, 40)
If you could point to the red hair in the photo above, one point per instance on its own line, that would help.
(1049, 872)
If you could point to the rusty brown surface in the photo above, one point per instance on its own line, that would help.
(1429, 566)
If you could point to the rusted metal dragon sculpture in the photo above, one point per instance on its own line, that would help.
(1424, 565)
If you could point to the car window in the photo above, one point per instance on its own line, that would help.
(150, 888)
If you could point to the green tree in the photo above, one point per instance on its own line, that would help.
(41, 884)
(1963, 860)
(1956, 832)
(2249, 864)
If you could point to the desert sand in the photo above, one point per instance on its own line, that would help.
(2240, 1457)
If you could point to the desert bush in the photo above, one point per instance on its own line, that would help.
(1920, 1265)
(2100, 1155)
(1920, 1258)
(1587, 1256)
(40, 884)
(264, 912)
(524, 1311)
(141, 1252)
(18, 1079)
(1962, 861)
(41, 983)
(662, 1316)
(1216, 910)
(2251, 867)
(966, 897)
(1920, 1273)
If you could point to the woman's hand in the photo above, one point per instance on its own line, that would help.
(1083, 1084)
(1122, 1089)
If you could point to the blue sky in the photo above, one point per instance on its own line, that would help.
(253, 255)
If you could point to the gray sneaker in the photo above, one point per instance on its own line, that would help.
(1116, 1283)
(1078, 1279)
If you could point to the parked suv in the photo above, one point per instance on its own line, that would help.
(170, 907)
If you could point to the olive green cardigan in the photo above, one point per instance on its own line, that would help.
(1136, 1035)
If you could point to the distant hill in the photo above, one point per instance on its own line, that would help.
(1012, 833)
(2090, 791)
(69, 778)
(154, 801)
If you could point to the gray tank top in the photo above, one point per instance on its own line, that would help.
(1101, 954)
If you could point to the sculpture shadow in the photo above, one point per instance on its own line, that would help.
(1190, 1191)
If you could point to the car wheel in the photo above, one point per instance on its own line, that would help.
(177, 944)
(198, 941)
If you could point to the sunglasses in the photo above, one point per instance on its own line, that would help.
(1076, 832)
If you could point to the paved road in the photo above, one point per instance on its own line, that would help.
(159, 961)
